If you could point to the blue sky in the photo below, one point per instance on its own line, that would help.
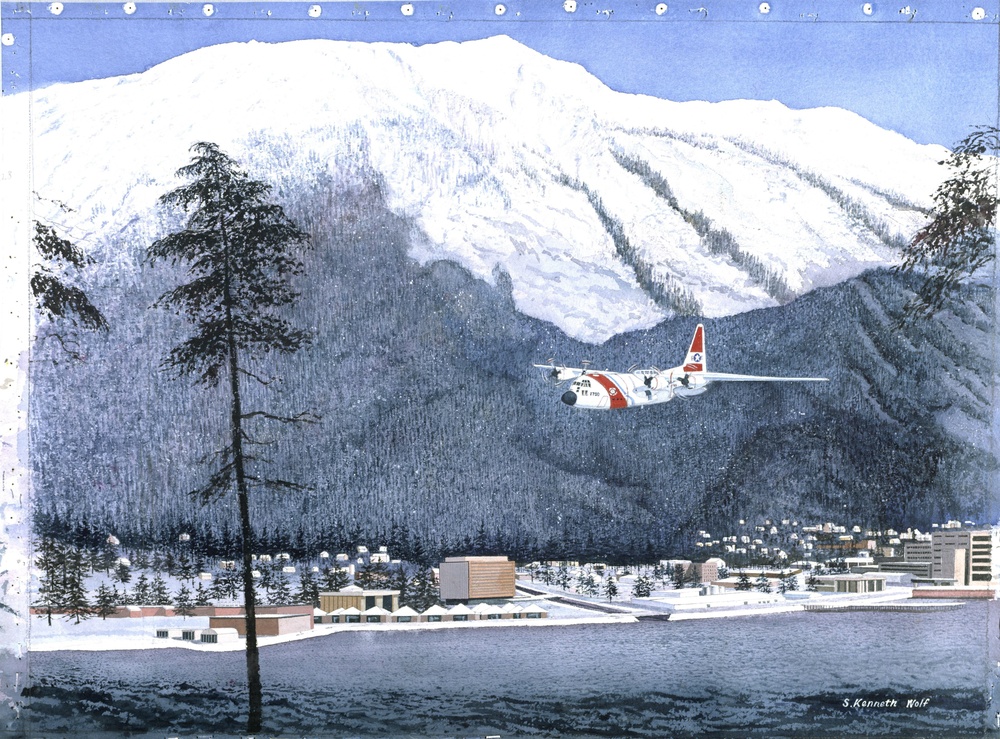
(931, 75)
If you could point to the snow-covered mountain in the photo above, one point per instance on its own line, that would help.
(609, 211)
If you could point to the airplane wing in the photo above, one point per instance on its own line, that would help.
(725, 377)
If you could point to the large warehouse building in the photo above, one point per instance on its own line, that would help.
(476, 578)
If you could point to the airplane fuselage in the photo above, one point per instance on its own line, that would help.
(614, 390)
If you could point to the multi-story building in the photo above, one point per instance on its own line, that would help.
(969, 557)
(474, 578)
(918, 551)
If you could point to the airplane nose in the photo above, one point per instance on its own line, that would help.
(569, 397)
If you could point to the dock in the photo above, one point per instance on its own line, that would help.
(906, 607)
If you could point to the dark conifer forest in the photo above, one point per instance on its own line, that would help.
(438, 436)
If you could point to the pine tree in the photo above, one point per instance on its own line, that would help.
(678, 576)
(201, 596)
(335, 578)
(563, 579)
(105, 602)
(51, 559)
(373, 576)
(743, 582)
(123, 573)
(812, 582)
(308, 589)
(182, 603)
(399, 581)
(280, 592)
(585, 583)
(422, 593)
(158, 593)
(642, 587)
(610, 589)
(961, 236)
(239, 249)
(545, 573)
(57, 300)
(141, 592)
(76, 604)
(762, 584)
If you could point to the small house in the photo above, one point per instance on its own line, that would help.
(461, 612)
(219, 636)
(434, 614)
(376, 615)
(351, 616)
(488, 612)
(534, 611)
(404, 615)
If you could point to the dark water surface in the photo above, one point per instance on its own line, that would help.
(786, 675)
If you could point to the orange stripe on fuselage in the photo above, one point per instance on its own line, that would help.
(618, 399)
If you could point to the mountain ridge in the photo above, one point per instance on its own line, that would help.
(479, 142)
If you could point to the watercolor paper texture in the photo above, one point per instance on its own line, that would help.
(305, 256)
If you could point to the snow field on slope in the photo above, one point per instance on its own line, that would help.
(470, 141)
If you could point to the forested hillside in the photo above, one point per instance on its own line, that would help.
(435, 428)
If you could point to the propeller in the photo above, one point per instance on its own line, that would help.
(555, 372)
(648, 380)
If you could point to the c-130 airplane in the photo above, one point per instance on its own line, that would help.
(640, 387)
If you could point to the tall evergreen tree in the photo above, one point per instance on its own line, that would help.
(961, 236)
(76, 603)
(50, 558)
(678, 576)
(373, 575)
(280, 592)
(240, 250)
(123, 573)
(308, 588)
(423, 593)
(399, 581)
(58, 300)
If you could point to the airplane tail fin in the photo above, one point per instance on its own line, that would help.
(695, 360)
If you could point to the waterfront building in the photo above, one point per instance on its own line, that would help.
(434, 613)
(355, 597)
(376, 615)
(851, 583)
(461, 612)
(969, 557)
(219, 636)
(404, 615)
(476, 578)
(268, 624)
(705, 571)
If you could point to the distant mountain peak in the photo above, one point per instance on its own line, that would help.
(609, 211)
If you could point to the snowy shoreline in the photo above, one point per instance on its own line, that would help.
(113, 642)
